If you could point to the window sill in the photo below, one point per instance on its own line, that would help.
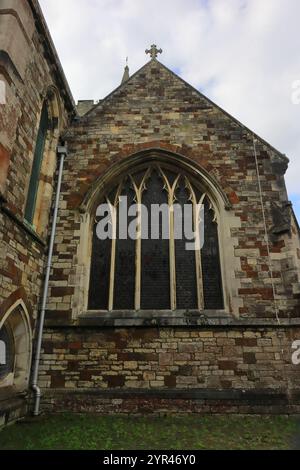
(167, 318)
(154, 318)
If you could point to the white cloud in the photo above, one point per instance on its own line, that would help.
(243, 54)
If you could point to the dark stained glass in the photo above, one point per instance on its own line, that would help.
(186, 288)
(155, 282)
(155, 262)
(100, 273)
(124, 287)
(211, 270)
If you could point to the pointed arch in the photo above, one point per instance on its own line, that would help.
(219, 206)
(15, 325)
(163, 265)
(155, 154)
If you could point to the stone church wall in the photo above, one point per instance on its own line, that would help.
(99, 363)
(136, 370)
(106, 364)
(29, 74)
(156, 110)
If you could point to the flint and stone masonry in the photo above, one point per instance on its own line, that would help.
(236, 358)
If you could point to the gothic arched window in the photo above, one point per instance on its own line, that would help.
(15, 348)
(36, 165)
(158, 257)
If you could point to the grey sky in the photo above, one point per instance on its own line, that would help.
(243, 54)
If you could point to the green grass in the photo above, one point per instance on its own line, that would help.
(89, 432)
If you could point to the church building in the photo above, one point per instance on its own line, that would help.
(138, 324)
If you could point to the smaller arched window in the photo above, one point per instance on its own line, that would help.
(15, 349)
(7, 351)
(36, 165)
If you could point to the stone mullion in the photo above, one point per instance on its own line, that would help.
(113, 209)
(138, 253)
(138, 247)
(198, 261)
(199, 275)
(172, 254)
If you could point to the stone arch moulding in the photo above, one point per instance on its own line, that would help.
(14, 313)
(150, 155)
(226, 220)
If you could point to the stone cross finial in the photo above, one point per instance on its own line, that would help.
(153, 51)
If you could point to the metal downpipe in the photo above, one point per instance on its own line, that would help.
(62, 152)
